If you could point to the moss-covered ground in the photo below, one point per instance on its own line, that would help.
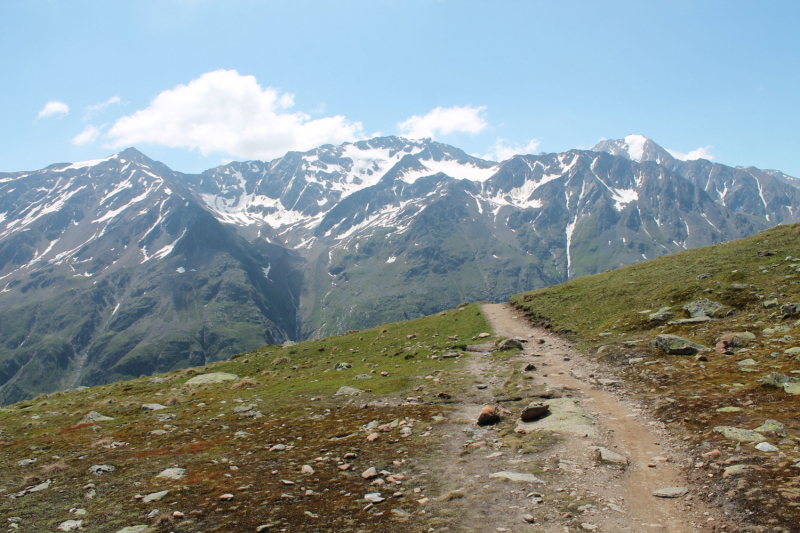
(608, 315)
(222, 435)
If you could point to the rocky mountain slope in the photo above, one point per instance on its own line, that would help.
(120, 267)
(111, 269)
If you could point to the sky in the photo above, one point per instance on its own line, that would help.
(197, 83)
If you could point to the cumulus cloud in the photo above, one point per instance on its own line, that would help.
(704, 152)
(87, 136)
(444, 120)
(53, 108)
(223, 111)
(502, 150)
(99, 107)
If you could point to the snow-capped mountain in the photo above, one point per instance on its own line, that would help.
(121, 266)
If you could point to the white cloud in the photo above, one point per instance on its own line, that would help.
(53, 107)
(501, 150)
(100, 106)
(704, 152)
(444, 120)
(222, 111)
(87, 136)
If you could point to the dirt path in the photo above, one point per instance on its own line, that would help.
(577, 492)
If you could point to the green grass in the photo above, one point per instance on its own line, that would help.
(293, 387)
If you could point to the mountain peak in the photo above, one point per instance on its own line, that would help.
(635, 147)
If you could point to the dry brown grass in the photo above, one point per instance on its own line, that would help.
(244, 383)
(190, 372)
(174, 400)
(59, 466)
(281, 360)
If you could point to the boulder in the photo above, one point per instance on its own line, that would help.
(701, 308)
(607, 456)
(534, 411)
(769, 304)
(172, 473)
(771, 426)
(347, 391)
(766, 447)
(789, 310)
(739, 434)
(566, 416)
(489, 415)
(214, 377)
(509, 344)
(94, 416)
(777, 380)
(661, 315)
(155, 496)
(673, 344)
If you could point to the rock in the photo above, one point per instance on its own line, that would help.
(70, 525)
(178, 514)
(516, 476)
(155, 496)
(278, 448)
(776, 380)
(362, 376)
(607, 456)
(100, 469)
(738, 339)
(226, 497)
(172, 473)
(372, 437)
(676, 345)
(792, 387)
(739, 286)
(374, 497)
(739, 434)
(214, 377)
(671, 492)
(528, 518)
(489, 415)
(530, 367)
(347, 391)
(747, 362)
(534, 411)
(481, 348)
(26, 462)
(509, 344)
(766, 447)
(769, 304)
(135, 529)
(156, 380)
(342, 366)
(770, 426)
(793, 350)
(586, 526)
(565, 416)
(661, 315)
(369, 473)
(405, 432)
(484, 335)
(789, 310)
(307, 470)
(735, 469)
(702, 276)
(701, 308)
(153, 407)
(695, 320)
(729, 409)
(94, 416)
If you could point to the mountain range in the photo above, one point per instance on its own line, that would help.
(120, 267)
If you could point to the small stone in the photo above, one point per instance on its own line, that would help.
(155, 496)
(70, 525)
(509, 344)
(528, 518)
(172, 473)
(769, 304)
(586, 526)
(347, 391)
(673, 344)
(26, 462)
(307, 470)
(729, 409)
(739, 434)
(661, 315)
(100, 469)
(278, 448)
(607, 456)
(735, 469)
(374, 497)
(178, 514)
(342, 366)
(135, 529)
(671, 492)
(369, 473)
(766, 447)
(534, 411)
(156, 380)
(373, 437)
(770, 426)
(484, 335)
(226, 497)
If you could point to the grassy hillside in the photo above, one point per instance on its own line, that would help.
(696, 396)
(222, 435)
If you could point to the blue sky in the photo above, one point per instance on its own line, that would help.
(196, 83)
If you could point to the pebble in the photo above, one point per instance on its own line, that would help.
(766, 447)
(374, 497)
(155, 496)
(226, 497)
(369, 473)
(307, 470)
(671, 492)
